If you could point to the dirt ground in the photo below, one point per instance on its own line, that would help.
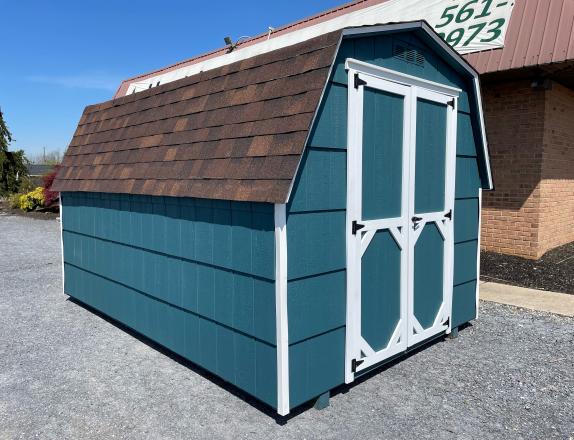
(5, 210)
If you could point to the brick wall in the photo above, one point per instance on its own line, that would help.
(530, 135)
(557, 186)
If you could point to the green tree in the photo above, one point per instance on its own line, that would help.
(5, 135)
(13, 164)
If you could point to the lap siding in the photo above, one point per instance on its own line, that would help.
(196, 276)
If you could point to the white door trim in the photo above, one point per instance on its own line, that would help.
(442, 322)
(354, 185)
(411, 88)
(356, 244)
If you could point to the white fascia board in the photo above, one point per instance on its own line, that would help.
(486, 152)
(398, 77)
(282, 324)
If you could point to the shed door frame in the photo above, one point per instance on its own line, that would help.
(412, 89)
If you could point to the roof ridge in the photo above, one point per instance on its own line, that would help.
(253, 40)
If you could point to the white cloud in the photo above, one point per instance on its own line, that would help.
(93, 80)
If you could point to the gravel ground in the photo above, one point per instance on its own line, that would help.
(67, 373)
(554, 271)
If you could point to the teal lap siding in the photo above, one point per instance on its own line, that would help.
(316, 289)
(196, 276)
(316, 217)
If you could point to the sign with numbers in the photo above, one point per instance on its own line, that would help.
(467, 25)
(472, 25)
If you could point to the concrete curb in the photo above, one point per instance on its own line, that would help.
(553, 302)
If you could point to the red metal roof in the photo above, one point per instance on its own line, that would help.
(540, 32)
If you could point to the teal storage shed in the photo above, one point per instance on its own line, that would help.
(298, 213)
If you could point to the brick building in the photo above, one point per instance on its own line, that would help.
(528, 91)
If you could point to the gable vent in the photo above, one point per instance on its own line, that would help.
(408, 53)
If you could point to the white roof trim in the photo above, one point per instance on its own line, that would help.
(401, 78)
(390, 11)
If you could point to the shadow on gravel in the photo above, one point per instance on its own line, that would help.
(265, 409)
(553, 272)
(184, 362)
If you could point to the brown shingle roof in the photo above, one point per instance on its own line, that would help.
(236, 132)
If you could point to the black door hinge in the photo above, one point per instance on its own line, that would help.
(359, 82)
(451, 103)
(357, 227)
(448, 215)
(354, 364)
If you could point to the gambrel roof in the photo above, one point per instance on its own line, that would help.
(235, 132)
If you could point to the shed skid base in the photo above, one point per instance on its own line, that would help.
(322, 401)
(453, 333)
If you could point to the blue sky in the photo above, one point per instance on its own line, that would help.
(59, 56)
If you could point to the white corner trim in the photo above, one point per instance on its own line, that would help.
(62, 239)
(478, 249)
(281, 309)
(399, 77)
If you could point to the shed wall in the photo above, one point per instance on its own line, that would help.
(317, 213)
(196, 276)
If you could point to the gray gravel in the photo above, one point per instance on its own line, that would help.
(67, 373)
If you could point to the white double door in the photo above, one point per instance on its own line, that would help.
(400, 199)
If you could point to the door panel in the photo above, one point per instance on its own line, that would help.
(383, 117)
(430, 156)
(399, 193)
(377, 276)
(428, 276)
(430, 237)
(381, 288)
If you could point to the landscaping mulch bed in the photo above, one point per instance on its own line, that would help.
(5, 209)
(553, 272)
